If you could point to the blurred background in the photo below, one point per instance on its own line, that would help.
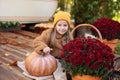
(32, 13)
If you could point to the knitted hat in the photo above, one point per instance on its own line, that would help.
(61, 15)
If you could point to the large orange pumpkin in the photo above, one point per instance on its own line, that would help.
(40, 65)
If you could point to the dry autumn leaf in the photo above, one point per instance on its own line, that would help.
(25, 42)
(8, 49)
(27, 54)
(13, 63)
(7, 64)
(14, 37)
(6, 54)
(12, 42)
(23, 25)
(18, 48)
(3, 40)
(0, 62)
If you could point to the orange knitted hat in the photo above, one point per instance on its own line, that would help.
(61, 15)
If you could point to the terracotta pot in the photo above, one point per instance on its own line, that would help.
(85, 77)
(111, 43)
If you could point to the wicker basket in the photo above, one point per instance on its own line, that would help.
(85, 25)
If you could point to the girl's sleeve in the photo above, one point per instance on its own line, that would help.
(41, 41)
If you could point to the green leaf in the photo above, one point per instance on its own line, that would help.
(16, 24)
(8, 24)
(117, 48)
(1, 24)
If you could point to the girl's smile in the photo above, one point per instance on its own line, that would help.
(62, 27)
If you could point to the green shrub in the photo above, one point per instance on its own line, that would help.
(9, 24)
(117, 49)
(1, 23)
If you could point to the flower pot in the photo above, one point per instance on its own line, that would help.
(111, 43)
(85, 77)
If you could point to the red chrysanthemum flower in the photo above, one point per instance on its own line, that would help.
(87, 56)
(109, 28)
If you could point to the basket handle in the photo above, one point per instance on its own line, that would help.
(89, 25)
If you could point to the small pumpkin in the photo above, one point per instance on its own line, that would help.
(40, 65)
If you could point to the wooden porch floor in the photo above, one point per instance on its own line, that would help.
(14, 46)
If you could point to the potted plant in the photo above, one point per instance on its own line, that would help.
(9, 26)
(109, 29)
(87, 58)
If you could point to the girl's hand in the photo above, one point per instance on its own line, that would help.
(47, 50)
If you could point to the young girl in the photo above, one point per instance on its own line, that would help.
(52, 40)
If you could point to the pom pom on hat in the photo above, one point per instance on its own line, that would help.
(61, 15)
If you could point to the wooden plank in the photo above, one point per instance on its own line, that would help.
(9, 73)
(11, 51)
(5, 57)
(9, 58)
(22, 48)
(14, 47)
(2, 60)
(27, 33)
(13, 38)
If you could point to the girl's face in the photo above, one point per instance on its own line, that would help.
(62, 27)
